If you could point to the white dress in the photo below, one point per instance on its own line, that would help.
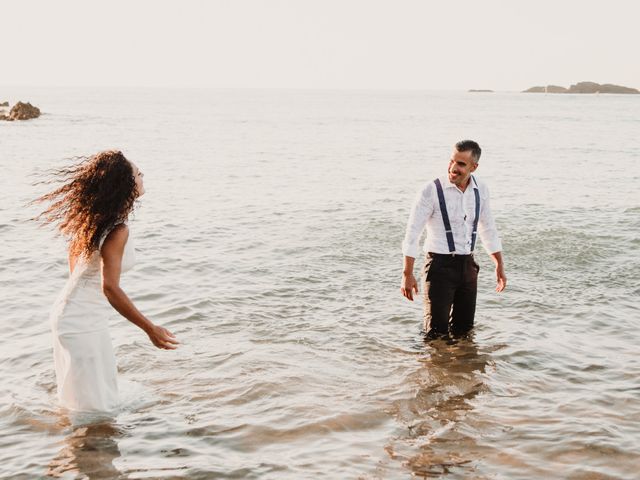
(85, 363)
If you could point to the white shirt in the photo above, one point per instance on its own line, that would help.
(461, 207)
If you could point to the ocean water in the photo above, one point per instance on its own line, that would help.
(269, 242)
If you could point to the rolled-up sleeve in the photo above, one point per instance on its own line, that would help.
(487, 227)
(420, 212)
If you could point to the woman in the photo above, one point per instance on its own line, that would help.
(91, 209)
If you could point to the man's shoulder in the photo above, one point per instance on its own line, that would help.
(428, 188)
(482, 186)
(431, 184)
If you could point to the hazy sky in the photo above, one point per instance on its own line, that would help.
(496, 44)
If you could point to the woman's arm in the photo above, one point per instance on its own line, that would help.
(111, 252)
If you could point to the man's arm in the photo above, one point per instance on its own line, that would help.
(409, 283)
(491, 241)
(420, 213)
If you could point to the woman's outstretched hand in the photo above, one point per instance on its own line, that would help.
(163, 338)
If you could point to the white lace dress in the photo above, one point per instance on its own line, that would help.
(85, 363)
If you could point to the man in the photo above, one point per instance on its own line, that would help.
(454, 209)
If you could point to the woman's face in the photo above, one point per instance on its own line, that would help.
(137, 175)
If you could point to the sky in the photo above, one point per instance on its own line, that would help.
(329, 44)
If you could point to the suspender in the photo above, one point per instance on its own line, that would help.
(474, 234)
(445, 216)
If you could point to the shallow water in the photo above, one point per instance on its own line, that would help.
(269, 242)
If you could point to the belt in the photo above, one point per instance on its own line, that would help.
(449, 255)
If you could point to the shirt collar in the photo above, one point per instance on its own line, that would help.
(447, 184)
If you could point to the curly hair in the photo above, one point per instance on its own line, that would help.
(98, 193)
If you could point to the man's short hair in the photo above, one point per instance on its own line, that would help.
(470, 145)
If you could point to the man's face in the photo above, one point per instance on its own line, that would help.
(461, 166)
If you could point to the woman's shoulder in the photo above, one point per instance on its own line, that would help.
(119, 229)
(116, 237)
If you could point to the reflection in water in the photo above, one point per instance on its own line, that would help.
(440, 438)
(88, 452)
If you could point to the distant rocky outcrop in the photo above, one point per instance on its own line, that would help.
(21, 111)
(591, 87)
(547, 89)
(583, 87)
(480, 91)
(4, 104)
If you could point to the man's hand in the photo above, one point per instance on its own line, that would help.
(501, 278)
(408, 285)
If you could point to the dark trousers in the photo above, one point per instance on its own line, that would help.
(450, 290)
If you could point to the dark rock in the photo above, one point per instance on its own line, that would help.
(23, 111)
(4, 104)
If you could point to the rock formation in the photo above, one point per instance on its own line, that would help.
(21, 111)
(547, 89)
(583, 87)
(591, 87)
